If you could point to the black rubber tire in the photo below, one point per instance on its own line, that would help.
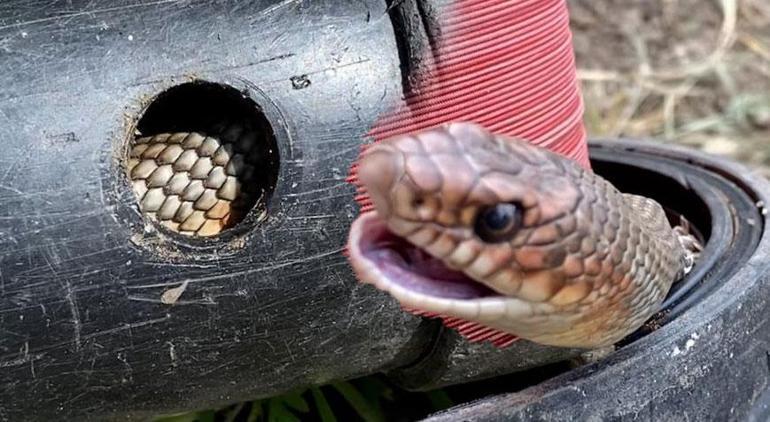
(272, 305)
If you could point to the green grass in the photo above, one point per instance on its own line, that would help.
(369, 399)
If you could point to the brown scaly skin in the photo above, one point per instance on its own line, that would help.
(586, 266)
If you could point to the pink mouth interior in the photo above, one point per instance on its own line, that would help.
(412, 268)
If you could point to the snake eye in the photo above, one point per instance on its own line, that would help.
(498, 222)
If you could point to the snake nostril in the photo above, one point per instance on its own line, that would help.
(202, 158)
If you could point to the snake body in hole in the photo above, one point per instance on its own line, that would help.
(518, 239)
(198, 184)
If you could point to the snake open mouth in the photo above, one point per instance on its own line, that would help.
(387, 260)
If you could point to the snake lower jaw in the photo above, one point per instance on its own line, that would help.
(419, 281)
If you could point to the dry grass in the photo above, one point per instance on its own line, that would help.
(695, 72)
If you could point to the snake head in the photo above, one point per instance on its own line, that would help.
(496, 231)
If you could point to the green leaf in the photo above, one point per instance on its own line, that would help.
(203, 416)
(296, 401)
(233, 413)
(186, 417)
(439, 399)
(207, 416)
(324, 410)
(277, 412)
(358, 402)
(375, 389)
(256, 412)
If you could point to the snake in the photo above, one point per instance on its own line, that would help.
(198, 183)
(511, 240)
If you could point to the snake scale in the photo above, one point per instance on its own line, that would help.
(512, 239)
(194, 183)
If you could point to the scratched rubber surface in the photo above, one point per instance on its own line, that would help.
(84, 330)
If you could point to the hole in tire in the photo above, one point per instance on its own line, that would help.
(203, 157)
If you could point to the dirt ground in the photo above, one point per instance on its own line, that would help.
(695, 72)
